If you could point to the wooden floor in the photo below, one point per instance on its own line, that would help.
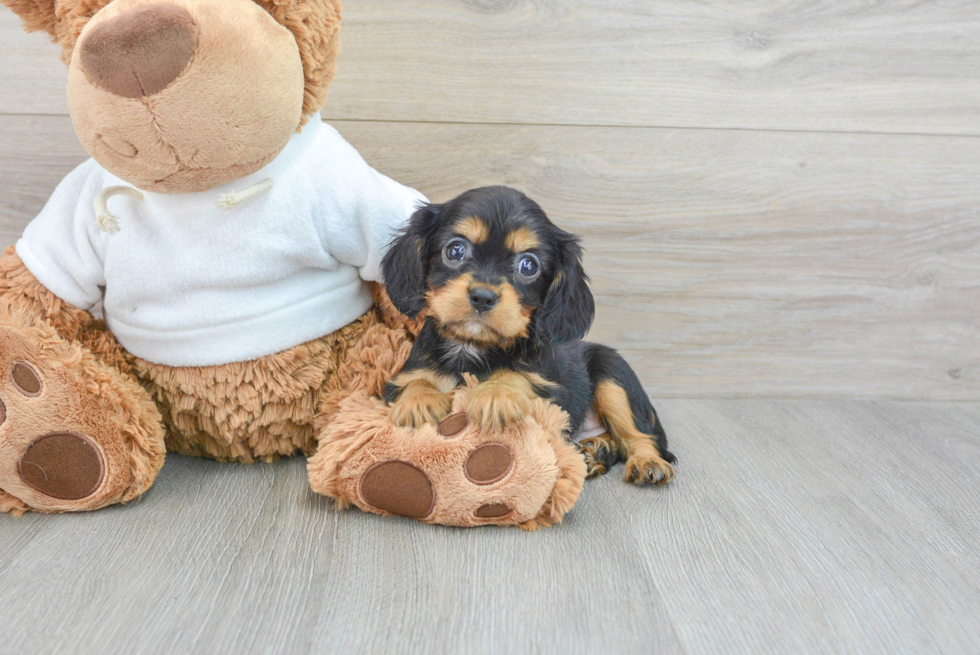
(794, 526)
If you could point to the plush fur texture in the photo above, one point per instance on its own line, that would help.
(83, 396)
(258, 72)
(542, 484)
(228, 113)
(267, 408)
(257, 410)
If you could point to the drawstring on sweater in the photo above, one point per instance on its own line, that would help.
(229, 200)
(109, 222)
(106, 220)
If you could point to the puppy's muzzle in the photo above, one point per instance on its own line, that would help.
(483, 299)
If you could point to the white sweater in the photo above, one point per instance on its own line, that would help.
(185, 283)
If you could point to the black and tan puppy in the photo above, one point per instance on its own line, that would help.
(506, 300)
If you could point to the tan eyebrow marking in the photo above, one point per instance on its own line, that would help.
(521, 239)
(473, 229)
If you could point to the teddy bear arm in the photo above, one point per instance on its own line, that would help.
(34, 304)
(20, 290)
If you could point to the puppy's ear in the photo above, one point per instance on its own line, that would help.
(568, 307)
(405, 266)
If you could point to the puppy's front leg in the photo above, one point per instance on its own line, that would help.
(420, 396)
(503, 398)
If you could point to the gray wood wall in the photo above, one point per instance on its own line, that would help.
(778, 199)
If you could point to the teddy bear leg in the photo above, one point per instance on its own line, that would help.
(75, 433)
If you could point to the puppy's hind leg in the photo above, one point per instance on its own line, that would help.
(622, 404)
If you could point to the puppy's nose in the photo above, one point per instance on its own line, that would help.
(140, 52)
(483, 299)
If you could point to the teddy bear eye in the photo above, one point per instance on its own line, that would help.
(528, 267)
(455, 252)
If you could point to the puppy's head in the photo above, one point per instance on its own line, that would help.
(491, 268)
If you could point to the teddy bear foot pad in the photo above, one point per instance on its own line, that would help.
(58, 448)
(398, 487)
(452, 474)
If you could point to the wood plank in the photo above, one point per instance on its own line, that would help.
(725, 263)
(200, 558)
(571, 589)
(802, 526)
(32, 74)
(790, 64)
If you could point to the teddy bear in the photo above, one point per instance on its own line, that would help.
(233, 243)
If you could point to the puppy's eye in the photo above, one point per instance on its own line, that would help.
(528, 267)
(455, 252)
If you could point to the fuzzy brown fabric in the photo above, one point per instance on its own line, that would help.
(245, 68)
(19, 288)
(262, 409)
(314, 23)
(88, 387)
(534, 486)
(80, 395)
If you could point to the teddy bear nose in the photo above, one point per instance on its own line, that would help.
(140, 52)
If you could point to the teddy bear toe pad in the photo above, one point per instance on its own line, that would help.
(488, 463)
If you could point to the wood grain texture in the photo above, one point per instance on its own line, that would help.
(817, 527)
(725, 263)
(32, 75)
(787, 64)
(222, 558)
(793, 526)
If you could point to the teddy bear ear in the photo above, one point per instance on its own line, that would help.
(36, 14)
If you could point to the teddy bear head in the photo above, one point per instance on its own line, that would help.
(178, 96)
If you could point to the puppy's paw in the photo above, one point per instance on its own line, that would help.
(600, 454)
(648, 469)
(495, 406)
(416, 409)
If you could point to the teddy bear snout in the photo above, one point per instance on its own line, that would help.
(141, 51)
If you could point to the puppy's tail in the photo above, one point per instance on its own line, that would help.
(621, 403)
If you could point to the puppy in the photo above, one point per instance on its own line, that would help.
(506, 300)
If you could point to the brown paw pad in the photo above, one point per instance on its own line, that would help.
(453, 425)
(492, 511)
(399, 488)
(62, 465)
(25, 379)
(488, 464)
